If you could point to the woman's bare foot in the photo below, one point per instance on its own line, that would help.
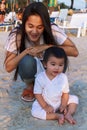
(60, 119)
(70, 119)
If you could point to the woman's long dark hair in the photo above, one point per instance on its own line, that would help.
(36, 8)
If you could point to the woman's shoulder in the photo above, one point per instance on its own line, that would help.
(13, 41)
(56, 28)
(16, 30)
(58, 34)
(14, 34)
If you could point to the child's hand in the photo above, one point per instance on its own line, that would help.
(49, 109)
(63, 110)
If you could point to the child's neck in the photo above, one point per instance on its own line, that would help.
(50, 76)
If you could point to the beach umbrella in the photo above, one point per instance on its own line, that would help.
(7, 5)
(53, 3)
(72, 3)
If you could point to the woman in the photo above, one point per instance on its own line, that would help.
(27, 43)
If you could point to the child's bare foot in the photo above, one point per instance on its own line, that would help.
(60, 119)
(70, 119)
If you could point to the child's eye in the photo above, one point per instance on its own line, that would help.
(61, 65)
(53, 64)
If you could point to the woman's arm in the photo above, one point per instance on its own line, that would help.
(69, 48)
(12, 60)
(64, 41)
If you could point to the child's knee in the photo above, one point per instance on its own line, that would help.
(76, 99)
(73, 99)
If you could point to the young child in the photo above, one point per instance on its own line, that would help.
(51, 89)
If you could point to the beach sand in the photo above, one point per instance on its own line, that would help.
(15, 114)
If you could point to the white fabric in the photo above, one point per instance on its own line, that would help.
(51, 91)
(11, 43)
(40, 67)
(59, 34)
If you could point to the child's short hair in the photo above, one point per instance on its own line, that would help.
(56, 52)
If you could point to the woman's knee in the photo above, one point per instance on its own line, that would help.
(27, 67)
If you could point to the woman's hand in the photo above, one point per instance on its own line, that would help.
(37, 50)
(33, 51)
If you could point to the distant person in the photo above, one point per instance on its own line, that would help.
(51, 89)
(19, 14)
(2, 10)
(19, 17)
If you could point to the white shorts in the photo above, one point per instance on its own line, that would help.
(38, 112)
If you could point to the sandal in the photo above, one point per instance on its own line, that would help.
(28, 95)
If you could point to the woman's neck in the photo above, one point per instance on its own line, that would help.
(36, 43)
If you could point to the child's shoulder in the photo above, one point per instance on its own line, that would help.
(41, 74)
(63, 75)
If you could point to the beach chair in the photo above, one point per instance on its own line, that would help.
(17, 23)
(63, 14)
(59, 15)
(54, 15)
(6, 27)
(78, 22)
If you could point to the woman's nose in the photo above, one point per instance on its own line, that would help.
(34, 30)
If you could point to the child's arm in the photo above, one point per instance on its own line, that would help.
(44, 105)
(64, 101)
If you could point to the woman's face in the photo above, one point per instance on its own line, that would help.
(34, 28)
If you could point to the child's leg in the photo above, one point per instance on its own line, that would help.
(40, 113)
(71, 110)
(55, 116)
(72, 105)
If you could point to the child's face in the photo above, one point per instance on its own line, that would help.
(54, 66)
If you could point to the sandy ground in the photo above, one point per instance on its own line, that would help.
(15, 114)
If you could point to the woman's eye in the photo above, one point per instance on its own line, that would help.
(30, 26)
(40, 27)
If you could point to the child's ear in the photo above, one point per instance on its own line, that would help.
(44, 64)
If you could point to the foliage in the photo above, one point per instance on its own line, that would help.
(62, 6)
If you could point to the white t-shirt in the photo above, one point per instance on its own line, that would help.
(51, 90)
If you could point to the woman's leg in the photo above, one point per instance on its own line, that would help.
(27, 69)
(71, 109)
